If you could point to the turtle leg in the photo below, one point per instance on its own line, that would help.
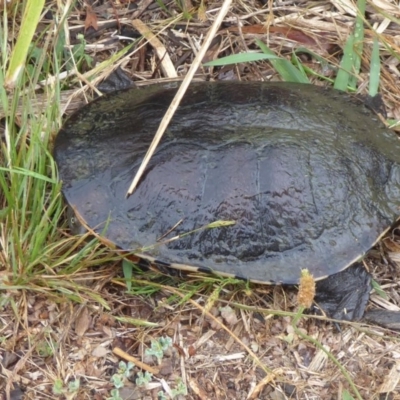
(386, 318)
(345, 295)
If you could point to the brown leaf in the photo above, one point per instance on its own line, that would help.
(179, 349)
(82, 322)
(100, 351)
(91, 18)
(192, 351)
(292, 34)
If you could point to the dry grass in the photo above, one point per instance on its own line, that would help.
(230, 340)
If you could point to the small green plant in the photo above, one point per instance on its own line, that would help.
(158, 347)
(125, 369)
(161, 395)
(45, 349)
(73, 386)
(180, 388)
(143, 379)
(35, 57)
(74, 57)
(78, 53)
(59, 389)
(118, 381)
(115, 395)
(123, 373)
(119, 378)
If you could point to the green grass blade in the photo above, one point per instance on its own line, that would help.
(137, 322)
(296, 61)
(127, 268)
(29, 24)
(315, 56)
(32, 174)
(161, 4)
(109, 62)
(344, 73)
(358, 43)
(240, 58)
(346, 395)
(379, 291)
(285, 68)
(351, 62)
(287, 71)
(375, 69)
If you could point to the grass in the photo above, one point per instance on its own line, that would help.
(293, 70)
(40, 260)
(30, 20)
(35, 248)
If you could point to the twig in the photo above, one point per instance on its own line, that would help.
(166, 64)
(179, 94)
(120, 353)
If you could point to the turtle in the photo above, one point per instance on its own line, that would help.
(256, 180)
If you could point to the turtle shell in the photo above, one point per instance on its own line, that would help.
(309, 175)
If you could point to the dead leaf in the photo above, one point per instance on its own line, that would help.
(82, 322)
(91, 18)
(192, 351)
(322, 42)
(180, 350)
(100, 351)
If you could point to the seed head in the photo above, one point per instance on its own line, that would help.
(306, 292)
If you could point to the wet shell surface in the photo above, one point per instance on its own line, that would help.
(310, 176)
